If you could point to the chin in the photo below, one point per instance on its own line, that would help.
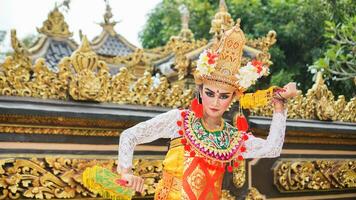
(214, 114)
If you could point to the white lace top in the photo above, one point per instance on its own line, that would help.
(164, 126)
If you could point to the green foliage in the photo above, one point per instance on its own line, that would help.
(339, 59)
(300, 27)
(165, 21)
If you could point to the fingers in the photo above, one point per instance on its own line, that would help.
(142, 187)
(135, 182)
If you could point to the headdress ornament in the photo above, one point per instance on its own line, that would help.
(221, 64)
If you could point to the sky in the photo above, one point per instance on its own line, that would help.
(26, 15)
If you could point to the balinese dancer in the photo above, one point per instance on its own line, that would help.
(203, 146)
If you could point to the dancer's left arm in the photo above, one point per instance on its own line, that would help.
(272, 146)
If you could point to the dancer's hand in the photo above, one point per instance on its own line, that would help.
(135, 182)
(290, 90)
(281, 96)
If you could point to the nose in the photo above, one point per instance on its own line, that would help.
(216, 101)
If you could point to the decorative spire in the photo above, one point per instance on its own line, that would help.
(84, 57)
(21, 54)
(55, 26)
(108, 23)
(222, 6)
(185, 34)
(222, 20)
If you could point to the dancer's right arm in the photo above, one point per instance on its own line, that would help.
(161, 126)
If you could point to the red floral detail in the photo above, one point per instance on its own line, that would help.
(192, 153)
(197, 108)
(240, 157)
(241, 123)
(243, 149)
(179, 123)
(236, 164)
(245, 137)
(183, 114)
(187, 147)
(258, 65)
(121, 182)
(183, 141)
(212, 57)
(229, 168)
(180, 132)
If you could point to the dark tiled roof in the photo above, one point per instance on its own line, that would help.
(113, 47)
(55, 52)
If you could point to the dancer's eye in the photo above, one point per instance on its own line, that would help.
(209, 94)
(224, 96)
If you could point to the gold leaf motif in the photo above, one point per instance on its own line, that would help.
(314, 175)
(318, 103)
(55, 25)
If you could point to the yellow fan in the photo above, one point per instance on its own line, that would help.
(106, 183)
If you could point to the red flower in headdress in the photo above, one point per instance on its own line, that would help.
(257, 64)
(212, 57)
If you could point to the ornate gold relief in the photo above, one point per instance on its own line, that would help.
(263, 44)
(225, 195)
(239, 175)
(318, 104)
(315, 175)
(58, 121)
(91, 79)
(15, 74)
(26, 129)
(222, 21)
(55, 26)
(60, 178)
(254, 194)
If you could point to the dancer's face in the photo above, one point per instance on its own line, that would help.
(215, 100)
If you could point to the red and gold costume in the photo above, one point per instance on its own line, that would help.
(198, 158)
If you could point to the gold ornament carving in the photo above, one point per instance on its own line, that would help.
(91, 81)
(45, 83)
(185, 34)
(159, 94)
(315, 175)
(239, 175)
(27, 129)
(263, 44)
(58, 121)
(61, 178)
(83, 76)
(319, 103)
(225, 195)
(254, 194)
(121, 86)
(222, 21)
(15, 73)
(55, 26)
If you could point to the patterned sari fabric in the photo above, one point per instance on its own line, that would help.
(198, 175)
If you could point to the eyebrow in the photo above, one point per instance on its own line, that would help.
(226, 93)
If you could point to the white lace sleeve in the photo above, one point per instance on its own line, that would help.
(161, 126)
(272, 146)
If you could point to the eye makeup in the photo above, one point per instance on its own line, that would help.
(211, 93)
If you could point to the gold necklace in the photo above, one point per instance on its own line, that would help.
(220, 128)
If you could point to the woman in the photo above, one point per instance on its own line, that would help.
(203, 145)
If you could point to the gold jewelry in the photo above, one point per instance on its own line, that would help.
(221, 126)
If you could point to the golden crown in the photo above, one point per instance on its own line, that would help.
(221, 64)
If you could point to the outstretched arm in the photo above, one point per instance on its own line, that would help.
(161, 126)
(272, 146)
